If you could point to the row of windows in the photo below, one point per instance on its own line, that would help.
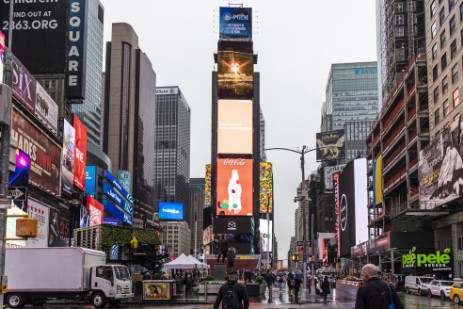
(447, 106)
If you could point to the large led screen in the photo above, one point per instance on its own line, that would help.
(440, 168)
(235, 69)
(234, 132)
(2, 55)
(170, 211)
(328, 173)
(234, 187)
(266, 187)
(266, 232)
(43, 152)
(330, 145)
(92, 214)
(80, 153)
(67, 169)
(235, 23)
(208, 186)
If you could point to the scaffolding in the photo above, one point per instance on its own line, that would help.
(402, 34)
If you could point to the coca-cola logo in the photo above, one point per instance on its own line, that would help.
(234, 162)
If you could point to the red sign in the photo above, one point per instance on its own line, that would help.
(80, 153)
(336, 176)
(234, 187)
(95, 211)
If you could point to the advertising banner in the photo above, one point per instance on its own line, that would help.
(224, 225)
(157, 291)
(207, 235)
(266, 232)
(328, 175)
(92, 214)
(234, 123)
(46, 110)
(39, 33)
(44, 153)
(2, 55)
(336, 179)
(440, 168)
(330, 145)
(117, 199)
(67, 168)
(90, 180)
(378, 181)
(80, 153)
(235, 70)
(125, 179)
(234, 187)
(117, 212)
(427, 261)
(24, 85)
(170, 211)
(107, 174)
(235, 23)
(41, 213)
(266, 187)
(208, 186)
(59, 230)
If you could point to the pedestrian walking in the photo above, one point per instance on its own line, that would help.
(375, 293)
(232, 294)
(325, 289)
(297, 284)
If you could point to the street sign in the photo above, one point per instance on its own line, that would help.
(5, 204)
(18, 193)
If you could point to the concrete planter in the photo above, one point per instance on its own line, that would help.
(212, 288)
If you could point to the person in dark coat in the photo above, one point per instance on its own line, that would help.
(240, 290)
(223, 249)
(374, 292)
(325, 288)
(298, 278)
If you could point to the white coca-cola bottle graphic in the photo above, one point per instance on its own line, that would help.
(234, 193)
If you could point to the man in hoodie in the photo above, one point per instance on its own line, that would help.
(232, 294)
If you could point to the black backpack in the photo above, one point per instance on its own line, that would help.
(230, 298)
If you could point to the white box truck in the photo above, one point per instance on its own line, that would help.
(36, 274)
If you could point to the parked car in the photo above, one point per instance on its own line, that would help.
(416, 284)
(439, 288)
(456, 292)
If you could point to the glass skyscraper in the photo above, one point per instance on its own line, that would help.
(172, 148)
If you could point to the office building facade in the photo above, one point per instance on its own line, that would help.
(176, 237)
(197, 202)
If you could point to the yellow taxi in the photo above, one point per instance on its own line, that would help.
(456, 292)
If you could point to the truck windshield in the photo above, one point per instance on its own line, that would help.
(122, 273)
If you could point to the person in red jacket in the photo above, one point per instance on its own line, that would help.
(375, 293)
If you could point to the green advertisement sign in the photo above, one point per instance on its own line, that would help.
(437, 261)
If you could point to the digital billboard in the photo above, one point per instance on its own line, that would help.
(234, 123)
(125, 179)
(67, 169)
(92, 214)
(80, 153)
(440, 168)
(2, 55)
(238, 225)
(207, 186)
(43, 152)
(59, 231)
(90, 180)
(266, 187)
(235, 69)
(170, 211)
(266, 232)
(39, 34)
(24, 85)
(328, 175)
(117, 198)
(46, 110)
(235, 23)
(378, 181)
(116, 211)
(330, 145)
(234, 187)
(107, 174)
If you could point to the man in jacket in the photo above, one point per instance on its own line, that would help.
(374, 292)
(233, 285)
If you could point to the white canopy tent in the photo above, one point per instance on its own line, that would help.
(196, 262)
(183, 262)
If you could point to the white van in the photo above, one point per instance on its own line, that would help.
(416, 284)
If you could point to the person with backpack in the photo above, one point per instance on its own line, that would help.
(325, 289)
(232, 294)
(376, 293)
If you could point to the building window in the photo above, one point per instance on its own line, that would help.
(434, 72)
(451, 5)
(433, 30)
(434, 51)
(460, 243)
(453, 49)
(432, 8)
(445, 86)
(461, 12)
(454, 74)
(399, 19)
(436, 94)
(443, 39)
(441, 16)
(446, 108)
(443, 61)
(436, 117)
(452, 24)
(398, 7)
(456, 98)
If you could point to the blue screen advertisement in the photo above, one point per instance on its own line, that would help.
(118, 186)
(117, 212)
(90, 180)
(125, 179)
(170, 211)
(235, 23)
(116, 198)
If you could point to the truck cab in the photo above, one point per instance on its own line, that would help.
(110, 283)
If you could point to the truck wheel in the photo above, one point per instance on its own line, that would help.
(16, 300)
(98, 300)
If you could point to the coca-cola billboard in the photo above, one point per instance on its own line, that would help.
(234, 187)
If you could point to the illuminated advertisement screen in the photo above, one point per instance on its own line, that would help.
(235, 69)
(116, 212)
(234, 124)
(107, 174)
(43, 152)
(328, 175)
(2, 55)
(80, 153)
(92, 214)
(234, 187)
(125, 179)
(266, 187)
(330, 145)
(235, 23)
(207, 186)
(440, 168)
(67, 168)
(170, 211)
(59, 230)
(266, 232)
(90, 180)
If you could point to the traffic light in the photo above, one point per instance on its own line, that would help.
(294, 257)
(26, 227)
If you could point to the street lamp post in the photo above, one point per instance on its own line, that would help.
(303, 196)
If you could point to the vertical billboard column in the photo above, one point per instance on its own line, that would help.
(266, 187)
(67, 168)
(80, 153)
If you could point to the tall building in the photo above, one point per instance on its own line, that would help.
(172, 148)
(263, 155)
(401, 35)
(197, 202)
(176, 237)
(130, 85)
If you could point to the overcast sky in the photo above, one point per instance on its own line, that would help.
(296, 41)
